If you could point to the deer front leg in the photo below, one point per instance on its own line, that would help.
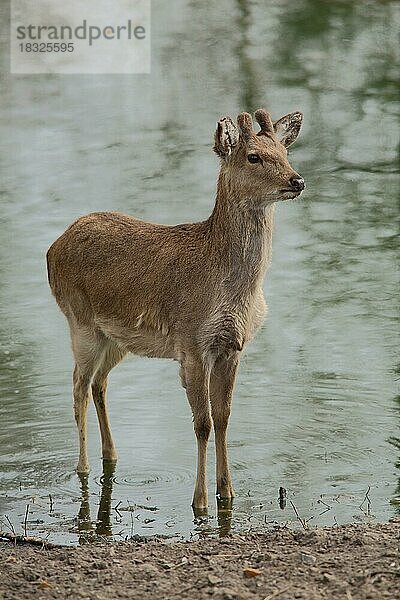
(197, 390)
(222, 381)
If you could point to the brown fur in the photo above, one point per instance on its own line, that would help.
(189, 292)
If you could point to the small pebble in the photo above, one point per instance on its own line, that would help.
(214, 580)
(250, 572)
(307, 559)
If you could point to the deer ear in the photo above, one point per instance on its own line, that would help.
(287, 128)
(226, 137)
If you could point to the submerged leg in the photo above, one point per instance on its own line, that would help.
(222, 381)
(87, 347)
(197, 384)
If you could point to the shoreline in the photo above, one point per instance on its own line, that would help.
(353, 561)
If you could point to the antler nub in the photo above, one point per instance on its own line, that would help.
(265, 122)
(245, 123)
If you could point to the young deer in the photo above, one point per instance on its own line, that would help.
(190, 292)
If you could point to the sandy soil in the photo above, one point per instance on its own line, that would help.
(350, 562)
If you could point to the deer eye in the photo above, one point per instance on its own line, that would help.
(253, 158)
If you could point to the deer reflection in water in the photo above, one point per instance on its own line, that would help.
(103, 526)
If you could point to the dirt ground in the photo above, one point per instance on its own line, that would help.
(349, 561)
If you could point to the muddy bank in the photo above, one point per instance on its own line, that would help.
(350, 561)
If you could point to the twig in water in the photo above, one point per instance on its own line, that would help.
(368, 501)
(25, 520)
(51, 503)
(328, 507)
(22, 539)
(9, 524)
(324, 503)
(309, 519)
(250, 517)
(282, 497)
(324, 511)
(117, 511)
(302, 521)
(131, 513)
(45, 545)
(152, 508)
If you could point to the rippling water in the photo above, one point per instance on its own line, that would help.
(316, 409)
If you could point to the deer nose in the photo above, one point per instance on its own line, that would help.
(297, 183)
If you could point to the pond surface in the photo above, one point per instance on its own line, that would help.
(315, 408)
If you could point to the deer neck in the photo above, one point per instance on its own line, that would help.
(241, 235)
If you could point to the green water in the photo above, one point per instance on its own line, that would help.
(315, 409)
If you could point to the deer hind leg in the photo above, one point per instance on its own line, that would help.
(87, 346)
(222, 381)
(196, 377)
(112, 355)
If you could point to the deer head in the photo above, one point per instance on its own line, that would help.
(254, 165)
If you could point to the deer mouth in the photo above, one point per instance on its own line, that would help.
(289, 194)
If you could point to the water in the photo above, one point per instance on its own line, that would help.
(315, 408)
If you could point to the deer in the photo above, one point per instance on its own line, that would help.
(190, 292)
